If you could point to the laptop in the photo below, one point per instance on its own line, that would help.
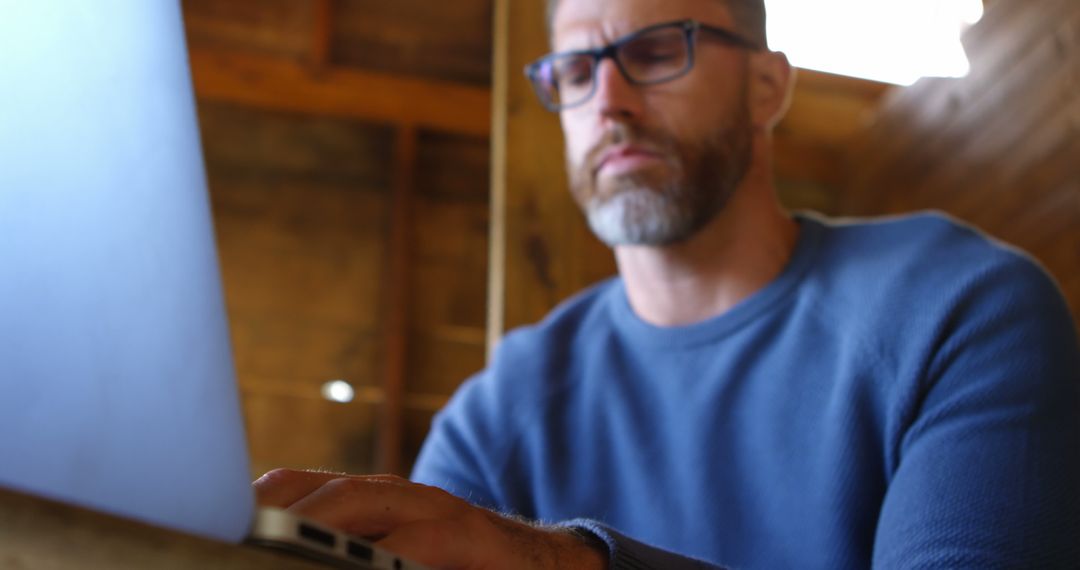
(117, 386)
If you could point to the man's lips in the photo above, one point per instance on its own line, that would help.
(624, 158)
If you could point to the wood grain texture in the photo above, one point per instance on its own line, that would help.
(999, 148)
(449, 41)
(303, 213)
(279, 28)
(376, 97)
(549, 252)
(396, 305)
(46, 535)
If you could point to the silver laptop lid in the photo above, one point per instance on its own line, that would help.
(116, 381)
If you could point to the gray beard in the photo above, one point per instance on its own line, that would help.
(635, 213)
(645, 209)
(640, 216)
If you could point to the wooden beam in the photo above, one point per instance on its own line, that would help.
(805, 159)
(497, 227)
(843, 85)
(322, 32)
(282, 85)
(396, 311)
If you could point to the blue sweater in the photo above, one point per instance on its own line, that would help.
(905, 394)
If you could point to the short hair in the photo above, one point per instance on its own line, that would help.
(749, 16)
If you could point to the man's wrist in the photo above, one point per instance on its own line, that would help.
(584, 549)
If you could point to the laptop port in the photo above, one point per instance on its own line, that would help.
(318, 535)
(361, 551)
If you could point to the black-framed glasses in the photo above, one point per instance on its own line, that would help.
(656, 54)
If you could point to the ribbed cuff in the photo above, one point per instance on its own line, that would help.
(625, 553)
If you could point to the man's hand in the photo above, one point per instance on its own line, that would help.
(425, 524)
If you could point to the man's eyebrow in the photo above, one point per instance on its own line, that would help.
(592, 36)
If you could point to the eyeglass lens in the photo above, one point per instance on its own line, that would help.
(652, 57)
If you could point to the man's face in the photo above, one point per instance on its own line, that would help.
(651, 165)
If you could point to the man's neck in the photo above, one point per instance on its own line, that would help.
(737, 254)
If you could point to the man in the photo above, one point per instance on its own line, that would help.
(755, 390)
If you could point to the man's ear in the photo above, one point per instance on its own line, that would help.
(772, 82)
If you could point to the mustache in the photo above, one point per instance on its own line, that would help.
(623, 134)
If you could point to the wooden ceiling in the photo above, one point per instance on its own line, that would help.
(428, 65)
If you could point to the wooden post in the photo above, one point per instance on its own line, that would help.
(542, 251)
(396, 310)
(322, 32)
(500, 81)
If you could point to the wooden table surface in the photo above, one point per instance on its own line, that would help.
(37, 533)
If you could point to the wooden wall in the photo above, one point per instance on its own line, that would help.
(999, 148)
(347, 153)
(349, 144)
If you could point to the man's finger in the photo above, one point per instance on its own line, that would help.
(283, 487)
(373, 507)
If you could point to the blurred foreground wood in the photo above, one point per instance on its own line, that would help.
(41, 534)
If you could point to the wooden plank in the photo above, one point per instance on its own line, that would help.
(283, 85)
(396, 307)
(945, 105)
(550, 252)
(48, 535)
(892, 129)
(322, 24)
(1041, 223)
(417, 425)
(284, 263)
(1046, 179)
(449, 264)
(279, 28)
(1008, 28)
(1013, 133)
(831, 117)
(500, 78)
(823, 98)
(449, 41)
(827, 113)
(1005, 156)
(797, 195)
(305, 353)
(933, 101)
(304, 431)
(801, 158)
(929, 100)
(267, 150)
(443, 361)
(842, 85)
(454, 169)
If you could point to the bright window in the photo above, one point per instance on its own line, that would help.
(894, 41)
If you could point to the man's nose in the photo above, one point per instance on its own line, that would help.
(615, 96)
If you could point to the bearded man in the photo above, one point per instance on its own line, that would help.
(755, 389)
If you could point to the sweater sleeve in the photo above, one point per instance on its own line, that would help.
(988, 472)
(461, 455)
(463, 447)
(625, 553)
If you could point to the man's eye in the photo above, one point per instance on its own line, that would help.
(575, 74)
(655, 56)
(653, 51)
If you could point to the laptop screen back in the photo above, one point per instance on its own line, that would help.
(117, 389)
